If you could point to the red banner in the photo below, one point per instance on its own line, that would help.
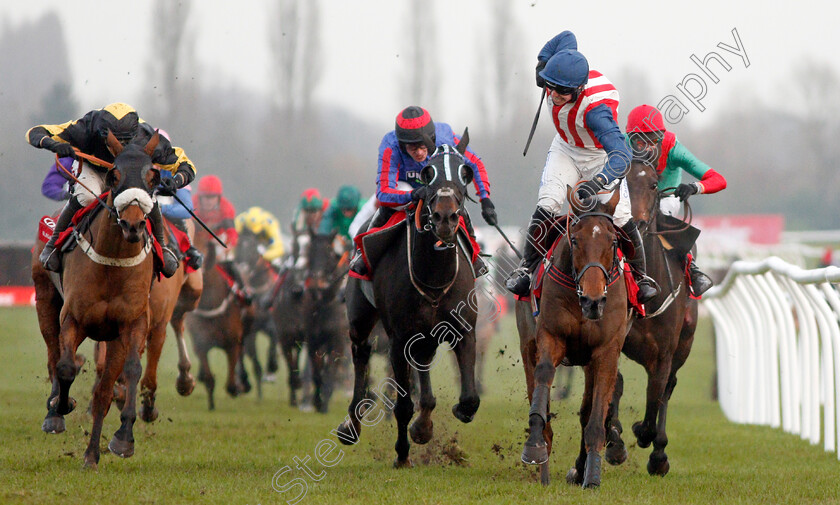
(17, 295)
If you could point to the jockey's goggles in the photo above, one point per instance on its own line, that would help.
(560, 90)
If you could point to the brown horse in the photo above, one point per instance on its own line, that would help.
(106, 282)
(169, 301)
(661, 341)
(582, 322)
(218, 321)
(420, 289)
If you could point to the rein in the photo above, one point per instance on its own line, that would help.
(573, 281)
(435, 301)
(688, 214)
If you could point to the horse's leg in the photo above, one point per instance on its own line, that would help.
(575, 474)
(616, 452)
(205, 375)
(468, 403)
(233, 386)
(658, 461)
(422, 428)
(251, 349)
(102, 396)
(645, 430)
(99, 368)
(47, 305)
(549, 351)
(318, 358)
(271, 358)
(148, 385)
(291, 354)
(405, 406)
(604, 367)
(66, 368)
(122, 444)
(248, 342)
(185, 382)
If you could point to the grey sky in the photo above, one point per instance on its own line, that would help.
(362, 47)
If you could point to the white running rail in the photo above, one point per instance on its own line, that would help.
(778, 347)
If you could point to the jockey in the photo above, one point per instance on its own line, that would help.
(266, 228)
(660, 149)
(588, 147)
(341, 212)
(403, 154)
(308, 215)
(88, 134)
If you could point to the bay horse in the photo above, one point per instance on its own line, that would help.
(583, 320)
(106, 284)
(420, 290)
(290, 318)
(218, 320)
(169, 301)
(259, 278)
(327, 265)
(660, 341)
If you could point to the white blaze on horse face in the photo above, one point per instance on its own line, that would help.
(596, 230)
(642, 173)
(134, 196)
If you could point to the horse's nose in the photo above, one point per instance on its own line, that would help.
(592, 309)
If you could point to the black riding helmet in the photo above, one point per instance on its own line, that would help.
(121, 119)
(414, 125)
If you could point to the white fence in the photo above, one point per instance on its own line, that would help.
(778, 347)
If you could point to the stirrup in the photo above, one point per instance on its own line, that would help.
(357, 265)
(519, 282)
(170, 262)
(700, 282)
(50, 258)
(194, 258)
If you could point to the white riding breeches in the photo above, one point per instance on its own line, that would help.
(92, 179)
(369, 209)
(567, 165)
(669, 205)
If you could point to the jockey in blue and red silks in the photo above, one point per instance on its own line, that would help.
(403, 153)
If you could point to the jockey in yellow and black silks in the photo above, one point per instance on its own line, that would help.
(88, 135)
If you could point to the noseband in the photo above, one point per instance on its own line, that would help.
(578, 275)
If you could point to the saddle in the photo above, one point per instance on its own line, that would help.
(374, 243)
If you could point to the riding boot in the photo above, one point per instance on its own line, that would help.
(194, 258)
(519, 281)
(50, 257)
(648, 288)
(479, 267)
(380, 218)
(700, 282)
(170, 259)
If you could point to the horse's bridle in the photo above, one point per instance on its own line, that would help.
(578, 275)
(426, 213)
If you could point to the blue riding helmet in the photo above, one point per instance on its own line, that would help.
(568, 69)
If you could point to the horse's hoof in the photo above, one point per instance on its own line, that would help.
(464, 413)
(641, 437)
(592, 472)
(616, 454)
(71, 406)
(148, 414)
(121, 448)
(421, 434)
(90, 464)
(234, 390)
(573, 477)
(658, 465)
(53, 424)
(185, 384)
(246, 388)
(403, 464)
(545, 479)
(535, 454)
(347, 435)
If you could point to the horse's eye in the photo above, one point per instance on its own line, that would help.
(574, 241)
(653, 185)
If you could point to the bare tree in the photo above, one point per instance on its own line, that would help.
(171, 63)
(422, 72)
(295, 44)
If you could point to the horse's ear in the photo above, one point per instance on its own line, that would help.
(113, 144)
(113, 177)
(466, 174)
(152, 144)
(152, 178)
(428, 174)
(465, 140)
(612, 203)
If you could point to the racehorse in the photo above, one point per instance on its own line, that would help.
(583, 320)
(218, 320)
(106, 283)
(661, 341)
(420, 290)
(325, 316)
(169, 301)
(259, 279)
(290, 319)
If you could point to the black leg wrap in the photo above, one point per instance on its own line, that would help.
(539, 404)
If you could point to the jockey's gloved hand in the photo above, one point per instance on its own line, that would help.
(683, 191)
(168, 186)
(63, 150)
(488, 212)
(588, 189)
(418, 194)
(540, 80)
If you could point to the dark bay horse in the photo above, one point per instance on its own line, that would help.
(327, 266)
(259, 278)
(106, 282)
(218, 320)
(420, 291)
(661, 341)
(583, 320)
(290, 319)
